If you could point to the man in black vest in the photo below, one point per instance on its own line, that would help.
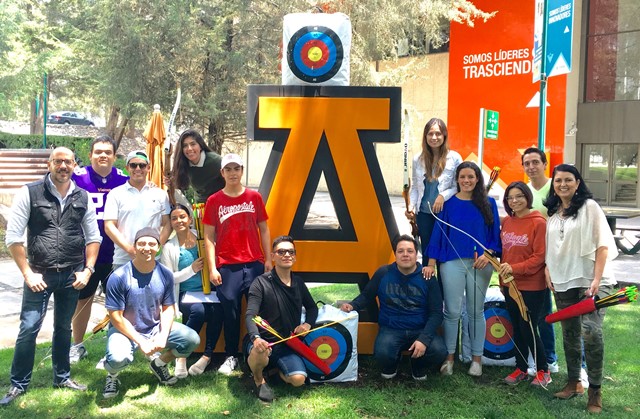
(62, 229)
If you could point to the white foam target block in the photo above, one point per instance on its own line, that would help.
(316, 49)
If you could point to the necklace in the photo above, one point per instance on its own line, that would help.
(562, 221)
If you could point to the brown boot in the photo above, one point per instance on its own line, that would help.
(573, 388)
(594, 405)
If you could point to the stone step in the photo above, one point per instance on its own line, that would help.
(25, 153)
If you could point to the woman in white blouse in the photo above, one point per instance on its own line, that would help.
(579, 246)
(432, 180)
(180, 254)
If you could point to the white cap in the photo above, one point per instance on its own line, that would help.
(231, 158)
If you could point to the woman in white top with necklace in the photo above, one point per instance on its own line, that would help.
(579, 246)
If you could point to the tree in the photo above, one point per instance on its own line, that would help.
(125, 59)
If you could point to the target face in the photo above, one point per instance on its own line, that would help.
(498, 343)
(314, 54)
(334, 345)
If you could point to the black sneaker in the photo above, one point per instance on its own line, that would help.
(265, 393)
(12, 394)
(163, 374)
(112, 387)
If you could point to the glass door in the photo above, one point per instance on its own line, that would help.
(611, 173)
(624, 185)
(595, 170)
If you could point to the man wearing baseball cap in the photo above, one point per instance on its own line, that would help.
(237, 243)
(141, 303)
(134, 205)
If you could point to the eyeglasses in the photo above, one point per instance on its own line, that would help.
(284, 252)
(515, 198)
(138, 165)
(58, 162)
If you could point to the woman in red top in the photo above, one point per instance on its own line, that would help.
(523, 250)
(237, 241)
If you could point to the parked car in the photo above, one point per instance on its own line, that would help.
(69, 118)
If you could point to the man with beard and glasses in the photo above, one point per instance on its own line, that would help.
(62, 245)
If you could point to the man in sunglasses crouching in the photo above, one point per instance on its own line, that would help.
(278, 297)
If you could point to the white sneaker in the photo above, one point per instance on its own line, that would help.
(181, 368)
(475, 370)
(199, 366)
(531, 371)
(100, 364)
(229, 364)
(77, 352)
(554, 368)
(584, 378)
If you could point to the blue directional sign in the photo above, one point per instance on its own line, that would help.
(559, 36)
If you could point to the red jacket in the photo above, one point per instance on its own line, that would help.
(523, 247)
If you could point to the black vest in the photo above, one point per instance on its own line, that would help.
(55, 239)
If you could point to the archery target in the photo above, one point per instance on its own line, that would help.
(498, 342)
(334, 345)
(317, 49)
(315, 54)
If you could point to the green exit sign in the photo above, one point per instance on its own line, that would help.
(491, 124)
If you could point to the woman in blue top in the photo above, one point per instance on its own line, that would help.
(472, 211)
(432, 179)
(180, 255)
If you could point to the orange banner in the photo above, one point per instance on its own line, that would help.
(490, 67)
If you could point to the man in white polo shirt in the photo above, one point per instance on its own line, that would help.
(133, 206)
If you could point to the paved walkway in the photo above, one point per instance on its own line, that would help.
(627, 270)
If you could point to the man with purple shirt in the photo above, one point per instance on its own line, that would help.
(98, 180)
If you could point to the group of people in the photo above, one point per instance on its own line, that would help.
(95, 225)
(555, 238)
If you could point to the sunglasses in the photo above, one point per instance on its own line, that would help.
(283, 252)
(138, 165)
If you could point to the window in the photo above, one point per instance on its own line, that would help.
(613, 51)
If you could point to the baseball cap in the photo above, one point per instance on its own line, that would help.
(231, 158)
(147, 232)
(138, 154)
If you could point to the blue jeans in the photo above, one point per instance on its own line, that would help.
(236, 280)
(34, 308)
(391, 342)
(426, 222)
(547, 334)
(195, 315)
(182, 341)
(461, 282)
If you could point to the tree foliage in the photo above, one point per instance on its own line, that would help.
(121, 58)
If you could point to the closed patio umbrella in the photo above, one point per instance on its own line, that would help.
(155, 136)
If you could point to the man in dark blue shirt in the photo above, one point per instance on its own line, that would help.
(410, 313)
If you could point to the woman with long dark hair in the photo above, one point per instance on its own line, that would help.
(196, 165)
(579, 246)
(433, 179)
(180, 254)
(463, 273)
(523, 247)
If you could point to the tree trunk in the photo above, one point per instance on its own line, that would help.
(32, 117)
(119, 131)
(112, 122)
(214, 131)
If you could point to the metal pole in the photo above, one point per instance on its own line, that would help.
(44, 114)
(542, 112)
(481, 138)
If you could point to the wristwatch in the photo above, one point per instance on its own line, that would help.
(91, 269)
(254, 337)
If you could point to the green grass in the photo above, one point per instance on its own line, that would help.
(213, 395)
